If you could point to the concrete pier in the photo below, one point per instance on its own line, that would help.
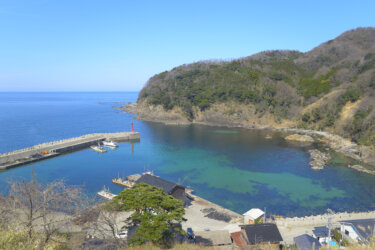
(56, 148)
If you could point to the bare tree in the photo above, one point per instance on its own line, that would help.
(6, 214)
(44, 208)
(109, 223)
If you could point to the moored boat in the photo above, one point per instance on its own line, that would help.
(106, 194)
(111, 144)
(98, 149)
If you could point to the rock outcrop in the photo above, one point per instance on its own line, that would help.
(319, 159)
(362, 169)
(300, 138)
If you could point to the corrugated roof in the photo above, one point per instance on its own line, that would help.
(239, 239)
(365, 228)
(262, 233)
(320, 231)
(306, 242)
(213, 238)
(156, 181)
(254, 213)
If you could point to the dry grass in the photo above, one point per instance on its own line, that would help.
(18, 240)
(371, 246)
(184, 246)
(352, 247)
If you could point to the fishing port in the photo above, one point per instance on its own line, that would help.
(52, 149)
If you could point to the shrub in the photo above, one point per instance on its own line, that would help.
(352, 94)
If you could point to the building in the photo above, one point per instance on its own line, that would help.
(177, 191)
(322, 235)
(306, 242)
(358, 230)
(239, 240)
(266, 233)
(213, 238)
(251, 215)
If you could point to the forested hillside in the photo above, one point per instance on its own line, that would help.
(329, 88)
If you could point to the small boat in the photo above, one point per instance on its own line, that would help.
(98, 149)
(106, 194)
(111, 144)
(123, 182)
(148, 172)
(268, 137)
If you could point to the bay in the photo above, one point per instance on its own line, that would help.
(236, 168)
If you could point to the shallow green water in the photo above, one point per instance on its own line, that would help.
(236, 168)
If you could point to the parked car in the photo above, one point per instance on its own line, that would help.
(190, 233)
(122, 235)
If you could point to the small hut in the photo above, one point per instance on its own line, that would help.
(252, 215)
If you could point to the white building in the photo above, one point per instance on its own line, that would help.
(358, 230)
(322, 234)
(251, 215)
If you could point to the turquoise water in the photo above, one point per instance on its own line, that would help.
(236, 168)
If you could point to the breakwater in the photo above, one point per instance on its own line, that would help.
(56, 148)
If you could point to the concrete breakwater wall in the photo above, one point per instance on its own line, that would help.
(323, 218)
(55, 148)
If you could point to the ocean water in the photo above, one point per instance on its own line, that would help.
(236, 168)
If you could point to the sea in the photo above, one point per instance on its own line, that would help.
(236, 168)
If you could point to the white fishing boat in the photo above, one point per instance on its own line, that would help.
(98, 149)
(106, 194)
(111, 144)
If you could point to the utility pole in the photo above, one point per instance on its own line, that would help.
(329, 223)
(264, 217)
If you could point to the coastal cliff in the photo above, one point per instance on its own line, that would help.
(330, 88)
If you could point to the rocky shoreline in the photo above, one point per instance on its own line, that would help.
(319, 159)
(337, 143)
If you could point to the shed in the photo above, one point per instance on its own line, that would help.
(262, 233)
(251, 215)
(177, 191)
(306, 242)
(213, 238)
(322, 234)
(239, 239)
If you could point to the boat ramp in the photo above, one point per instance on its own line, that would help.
(56, 148)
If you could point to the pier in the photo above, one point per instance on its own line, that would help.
(56, 148)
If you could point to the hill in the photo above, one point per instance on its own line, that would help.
(329, 88)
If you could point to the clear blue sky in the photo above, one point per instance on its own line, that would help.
(117, 45)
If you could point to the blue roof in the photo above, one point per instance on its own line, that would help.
(306, 242)
(321, 231)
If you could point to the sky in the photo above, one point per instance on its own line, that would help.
(113, 45)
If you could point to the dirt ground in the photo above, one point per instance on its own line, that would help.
(197, 219)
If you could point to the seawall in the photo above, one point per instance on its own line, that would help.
(56, 148)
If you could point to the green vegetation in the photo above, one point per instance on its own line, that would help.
(316, 86)
(362, 131)
(157, 216)
(338, 237)
(280, 84)
(258, 221)
(201, 85)
(352, 94)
